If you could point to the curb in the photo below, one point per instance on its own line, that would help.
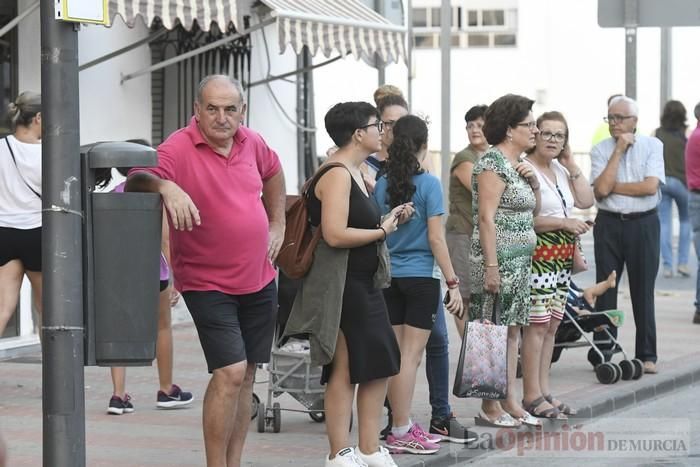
(621, 395)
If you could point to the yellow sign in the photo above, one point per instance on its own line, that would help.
(82, 11)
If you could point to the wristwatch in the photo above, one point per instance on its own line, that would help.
(452, 283)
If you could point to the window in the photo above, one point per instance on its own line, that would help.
(478, 40)
(420, 18)
(435, 20)
(470, 27)
(504, 40)
(493, 18)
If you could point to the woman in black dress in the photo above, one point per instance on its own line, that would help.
(366, 352)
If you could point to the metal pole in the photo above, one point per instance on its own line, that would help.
(631, 23)
(445, 30)
(666, 67)
(379, 63)
(63, 391)
(409, 51)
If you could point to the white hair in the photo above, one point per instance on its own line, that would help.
(634, 108)
(230, 79)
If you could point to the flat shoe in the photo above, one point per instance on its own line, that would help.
(529, 420)
(551, 413)
(563, 408)
(503, 421)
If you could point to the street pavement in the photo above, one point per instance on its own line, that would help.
(151, 437)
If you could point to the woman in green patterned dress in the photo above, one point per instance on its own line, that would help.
(505, 197)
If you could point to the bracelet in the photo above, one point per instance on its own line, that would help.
(494, 265)
(383, 231)
(574, 177)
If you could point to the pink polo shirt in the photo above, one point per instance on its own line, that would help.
(692, 160)
(228, 251)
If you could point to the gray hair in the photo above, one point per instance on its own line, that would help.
(207, 79)
(24, 109)
(634, 108)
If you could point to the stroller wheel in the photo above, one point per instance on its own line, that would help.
(638, 368)
(618, 372)
(594, 358)
(261, 418)
(276, 417)
(605, 372)
(628, 370)
(318, 417)
(256, 403)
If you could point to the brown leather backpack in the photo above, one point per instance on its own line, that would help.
(297, 252)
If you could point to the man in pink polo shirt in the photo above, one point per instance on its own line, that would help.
(692, 174)
(223, 188)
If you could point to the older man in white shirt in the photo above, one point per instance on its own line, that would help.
(626, 171)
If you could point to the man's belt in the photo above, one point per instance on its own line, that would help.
(628, 216)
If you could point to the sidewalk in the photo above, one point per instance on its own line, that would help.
(150, 437)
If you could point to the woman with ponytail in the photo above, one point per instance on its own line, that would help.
(417, 250)
(20, 204)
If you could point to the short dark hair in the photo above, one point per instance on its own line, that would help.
(345, 117)
(674, 116)
(475, 113)
(505, 112)
(697, 111)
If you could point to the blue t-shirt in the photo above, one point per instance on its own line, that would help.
(409, 248)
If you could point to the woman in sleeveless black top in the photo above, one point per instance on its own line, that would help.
(366, 353)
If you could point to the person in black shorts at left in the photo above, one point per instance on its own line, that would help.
(20, 205)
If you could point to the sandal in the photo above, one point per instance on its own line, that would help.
(528, 420)
(503, 421)
(563, 408)
(551, 413)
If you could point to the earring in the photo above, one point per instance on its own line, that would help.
(510, 138)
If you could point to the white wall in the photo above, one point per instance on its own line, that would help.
(264, 114)
(29, 59)
(110, 110)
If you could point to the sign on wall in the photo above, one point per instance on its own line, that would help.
(82, 11)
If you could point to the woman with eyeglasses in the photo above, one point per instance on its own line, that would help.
(343, 281)
(505, 193)
(562, 187)
(460, 222)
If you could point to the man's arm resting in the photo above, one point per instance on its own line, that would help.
(604, 184)
(144, 182)
(648, 187)
(183, 212)
(274, 198)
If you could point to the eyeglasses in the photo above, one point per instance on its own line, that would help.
(379, 124)
(530, 125)
(388, 124)
(617, 118)
(549, 136)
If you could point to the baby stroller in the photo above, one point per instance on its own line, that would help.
(290, 369)
(580, 319)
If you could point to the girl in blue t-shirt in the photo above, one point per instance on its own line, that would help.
(418, 254)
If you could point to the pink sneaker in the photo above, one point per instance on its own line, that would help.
(429, 437)
(412, 442)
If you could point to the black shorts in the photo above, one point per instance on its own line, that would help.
(24, 245)
(234, 328)
(413, 301)
(164, 284)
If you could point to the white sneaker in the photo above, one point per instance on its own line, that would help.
(345, 458)
(381, 458)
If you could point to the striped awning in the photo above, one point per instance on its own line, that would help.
(345, 26)
(171, 11)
